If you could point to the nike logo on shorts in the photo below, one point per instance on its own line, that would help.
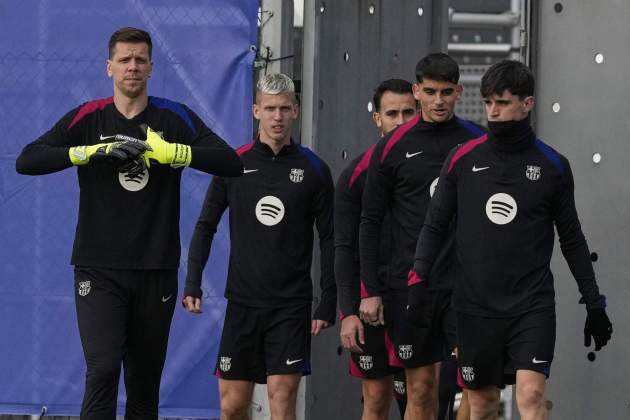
(536, 362)
(292, 362)
(247, 171)
(166, 299)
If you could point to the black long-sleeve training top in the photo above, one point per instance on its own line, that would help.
(272, 210)
(507, 197)
(128, 222)
(402, 176)
(348, 196)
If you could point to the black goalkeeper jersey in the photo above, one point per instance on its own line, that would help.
(506, 199)
(128, 222)
(402, 176)
(273, 208)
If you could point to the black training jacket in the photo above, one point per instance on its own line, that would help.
(128, 222)
(272, 210)
(402, 176)
(507, 199)
(348, 195)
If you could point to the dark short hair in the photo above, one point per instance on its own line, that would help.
(390, 85)
(131, 35)
(437, 66)
(509, 75)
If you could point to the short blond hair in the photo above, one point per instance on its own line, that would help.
(276, 84)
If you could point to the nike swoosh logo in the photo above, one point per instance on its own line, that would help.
(166, 299)
(247, 171)
(538, 361)
(292, 362)
(410, 155)
(475, 169)
(107, 137)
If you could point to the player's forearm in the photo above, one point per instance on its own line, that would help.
(216, 160)
(198, 254)
(369, 246)
(346, 276)
(39, 159)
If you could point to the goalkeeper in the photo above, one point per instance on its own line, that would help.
(127, 247)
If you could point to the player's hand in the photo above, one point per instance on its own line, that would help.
(351, 330)
(597, 326)
(317, 325)
(192, 304)
(419, 303)
(371, 310)
(165, 153)
(118, 152)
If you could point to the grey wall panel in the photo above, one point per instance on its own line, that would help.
(592, 118)
(382, 39)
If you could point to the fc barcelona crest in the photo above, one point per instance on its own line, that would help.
(405, 351)
(366, 362)
(532, 172)
(468, 373)
(296, 175)
(225, 363)
(84, 288)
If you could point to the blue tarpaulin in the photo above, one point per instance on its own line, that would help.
(52, 58)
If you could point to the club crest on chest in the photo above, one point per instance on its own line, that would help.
(296, 175)
(532, 172)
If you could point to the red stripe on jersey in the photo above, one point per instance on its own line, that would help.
(244, 148)
(90, 107)
(361, 166)
(465, 149)
(398, 133)
(413, 278)
(364, 292)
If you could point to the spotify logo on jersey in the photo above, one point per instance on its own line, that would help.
(269, 210)
(501, 208)
(433, 186)
(133, 182)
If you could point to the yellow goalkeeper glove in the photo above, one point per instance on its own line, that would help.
(161, 151)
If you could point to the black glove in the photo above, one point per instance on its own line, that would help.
(598, 326)
(419, 301)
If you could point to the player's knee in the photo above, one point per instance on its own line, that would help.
(483, 401)
(422, 392)
(233, 407)
(529, 396)
(376, 400)
(104, 372)
(282, 395)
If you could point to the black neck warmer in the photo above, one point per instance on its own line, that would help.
(511, 136)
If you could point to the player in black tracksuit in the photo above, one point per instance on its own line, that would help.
(285, 190)
(371, 355)
(126, 249)
(507, 190)
(401, 179)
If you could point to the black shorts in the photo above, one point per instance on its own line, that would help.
(258, 342)
(491, 350)
(378, 355)
(415, 346)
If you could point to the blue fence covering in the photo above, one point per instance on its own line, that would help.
(52, 58)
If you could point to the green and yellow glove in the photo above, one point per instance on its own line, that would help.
(161, 151)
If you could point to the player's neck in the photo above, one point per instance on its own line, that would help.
(130, 107)
(275, 145)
